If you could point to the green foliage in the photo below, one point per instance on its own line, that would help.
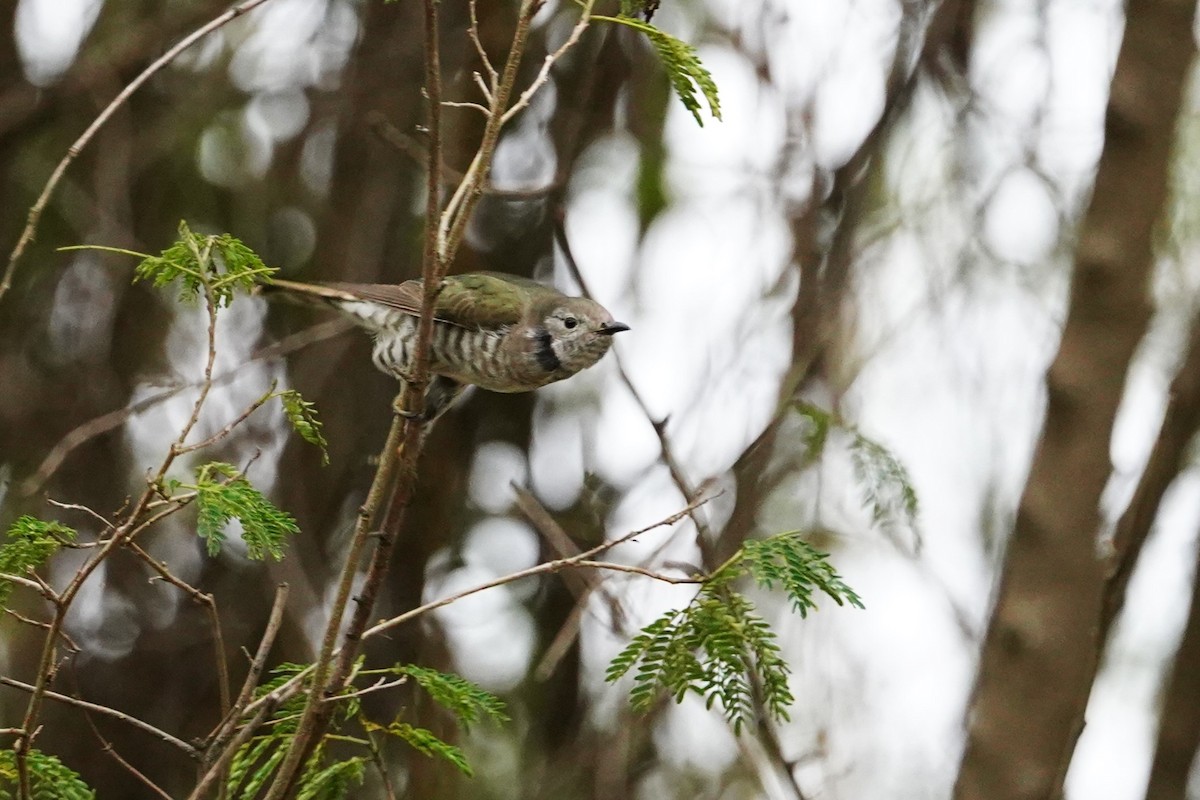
(332, 782)
(49, 779)
(465, 700)
(710, 647)
(887, 488)
(787, 562)
(303, 417)
(30, 541)
(215, 265)
(424, 741)
(713, 645)
(222, 494)
(687, 75)
(886, 485)
(255, 763)
(639, 8)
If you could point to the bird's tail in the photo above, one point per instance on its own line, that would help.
(365, 313)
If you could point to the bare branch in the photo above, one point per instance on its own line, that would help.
(472, 106)
(106, 422)
(221, 736)
(111, 712)
(473, 32)
(584, 559)
(210, 604)
(35, 213)
(585, 18)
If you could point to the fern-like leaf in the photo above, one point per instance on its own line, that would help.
(424, 741)
(223, 494)
(639, 8)
(688, 76)
(332, 782)
(787, 562)
(49, 778)
(886, 484)
(221, 264)
(708, 648)
(303, 417)
(29, 543)
(465, 700)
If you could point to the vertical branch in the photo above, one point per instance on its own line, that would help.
(458, 211)
(397, 464)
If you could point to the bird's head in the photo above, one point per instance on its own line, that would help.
(578, 332)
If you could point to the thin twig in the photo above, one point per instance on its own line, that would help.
(44, 626)
(35, 213)
(210, 604)
(225, 431)
(472, 106)
(107, 747)
(583, 559)
(38, 586)
(585, 18)
(77, 507)
(217, 769)
(473, 32)
(106, 422)
(454, 218)
(111, 712)
(224, 732)
(633, 569)
(378, 686)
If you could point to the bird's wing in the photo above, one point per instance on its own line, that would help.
(473, 300)
(482, 300)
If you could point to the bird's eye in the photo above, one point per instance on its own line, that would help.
(570, 322)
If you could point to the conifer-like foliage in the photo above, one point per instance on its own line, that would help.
(716, 643)
(689, 77)
(224, 494)
(28, 544)
(887, 488)
(49, 778)
(303, 417)
(327, 777)
(217, 265)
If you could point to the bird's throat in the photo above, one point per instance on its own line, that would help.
(547, 359)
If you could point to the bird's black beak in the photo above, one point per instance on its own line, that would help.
(609, 328)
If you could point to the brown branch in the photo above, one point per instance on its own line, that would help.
(111, 712)
(1168, 456)
(107, 747)
(584, 558)
(269, 703)
(210, 604)
(106, 422)
(121, 534)
(35, 213)
(453, 223)
(225, 431)
(397, 463)
(219, 742)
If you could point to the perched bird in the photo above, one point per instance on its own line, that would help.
(497, 331)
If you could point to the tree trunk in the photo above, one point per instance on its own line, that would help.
(1039, 655)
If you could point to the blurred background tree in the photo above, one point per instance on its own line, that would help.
(964, 231)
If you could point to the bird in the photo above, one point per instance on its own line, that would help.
(493, 330)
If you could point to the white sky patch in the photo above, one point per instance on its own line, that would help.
(49, 33)
(1021, 220)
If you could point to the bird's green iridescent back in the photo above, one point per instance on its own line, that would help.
(487, 299)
